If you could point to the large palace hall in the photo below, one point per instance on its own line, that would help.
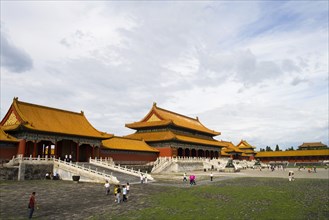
(33, 130)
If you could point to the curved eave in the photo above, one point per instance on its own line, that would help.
(127, 144)
(4, 137)
(137, 125)
(104, 136)
(123, 149)
(199, 141)
(205, 131)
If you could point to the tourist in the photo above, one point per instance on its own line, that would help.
(211, 176)
(47, 176)
(56, 176)
(145, 179)
(118, 194)
(291, 176)
(107, 187)
(70, 158)
(128, 188)
(142, 178)
(32, 204)
(124, 193)
(184, 178)
(115, 192)
(314, 168)
(192, 180)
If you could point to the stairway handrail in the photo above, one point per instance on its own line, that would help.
(119, 168)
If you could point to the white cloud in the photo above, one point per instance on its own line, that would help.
(252, 70)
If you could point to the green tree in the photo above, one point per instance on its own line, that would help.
(277, 148)
(268, 148)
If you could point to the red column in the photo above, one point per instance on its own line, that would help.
(21, 147)
(93, 152)
(77, 159)
(34, 149)
(56, 150)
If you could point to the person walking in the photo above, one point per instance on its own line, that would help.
(118, 194)
(107, 187)
(32, 204)
(184, 178)
(211, 176)
(128, 188)
(124, 193)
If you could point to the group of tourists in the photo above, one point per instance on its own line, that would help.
(68, 158)
(118, 190)
(49, 176)
(192, 179)
(143, 178)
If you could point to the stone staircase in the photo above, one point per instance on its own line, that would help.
(122, 177)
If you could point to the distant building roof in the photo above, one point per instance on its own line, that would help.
(230, 148)
(293, 153)
(162, 117)
(245, 145)
(312, 145)
(121, 143)
(45, 119)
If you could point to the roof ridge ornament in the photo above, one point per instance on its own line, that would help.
(154, 104)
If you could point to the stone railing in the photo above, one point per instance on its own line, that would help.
(163, 162)
(106, 163)
(69, 168)
(84, 171)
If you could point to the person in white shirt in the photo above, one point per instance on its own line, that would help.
(107, 187)
(124, 193)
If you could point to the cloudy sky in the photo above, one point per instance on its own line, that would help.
(253, 70)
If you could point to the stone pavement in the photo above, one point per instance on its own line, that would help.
(69, 200)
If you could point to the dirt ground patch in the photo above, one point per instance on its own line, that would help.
(69, 200)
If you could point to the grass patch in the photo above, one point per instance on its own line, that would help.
(243, 198)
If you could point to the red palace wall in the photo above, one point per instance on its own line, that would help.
(7, 151)
(129, 156)
(166, 152)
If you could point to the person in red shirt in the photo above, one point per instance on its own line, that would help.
(32, 204)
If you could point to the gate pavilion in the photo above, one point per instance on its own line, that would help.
(174, 134)
(44, 131)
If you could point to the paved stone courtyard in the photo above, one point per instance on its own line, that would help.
(69, 200)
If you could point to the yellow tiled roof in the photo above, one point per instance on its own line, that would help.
(6, 137)
(46, 119)
(223, 153)
(293, 153)
(249, 151)
(143, 124)
(230, 147)
(169, 135)
(245, 145)
(158, 116)
(313, 144)
(120, 143)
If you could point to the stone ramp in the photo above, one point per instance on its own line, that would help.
(122, 177)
